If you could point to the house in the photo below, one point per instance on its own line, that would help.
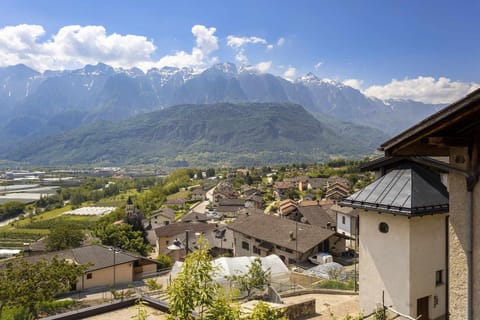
(454, 133)
(179, 203)
(109, 266)
(281, 187)
(198, 194)
(337, 189)
(402, 244)
(194, 216)
(161, 217)
(316, 184)
(224, 190)
(166, 235)
(248, 191)
(262, 235)
(346, 223)
(317, 216)
(289, 209)
(221, 241)
(230, 208)
(254, 201)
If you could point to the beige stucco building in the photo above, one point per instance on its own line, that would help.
(452, 136)
(402, 242)
(262, 235)
(107, 266)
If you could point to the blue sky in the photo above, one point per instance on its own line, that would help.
(384, 48)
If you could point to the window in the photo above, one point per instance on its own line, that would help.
(343, 219)
(439, 277)
(256, 250)
(383, 227)
(245, 245)
(89, 276)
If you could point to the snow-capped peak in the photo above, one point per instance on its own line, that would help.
(311, 79)
(308, 78)
(226, 67)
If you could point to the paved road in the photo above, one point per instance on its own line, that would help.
(202, 206)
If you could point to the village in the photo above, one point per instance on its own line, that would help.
(400, 243)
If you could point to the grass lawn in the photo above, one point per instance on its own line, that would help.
(179, 195)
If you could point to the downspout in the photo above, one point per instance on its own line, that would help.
(471, 181)
(447, 269)
(469, 250)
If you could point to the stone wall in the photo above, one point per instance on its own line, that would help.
(300, 310)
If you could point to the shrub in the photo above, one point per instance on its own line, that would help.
(165, 262)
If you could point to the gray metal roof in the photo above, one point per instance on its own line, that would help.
(409, 190)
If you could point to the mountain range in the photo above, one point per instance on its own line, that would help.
(48, 106)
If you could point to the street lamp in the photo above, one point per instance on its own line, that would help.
(114, 251)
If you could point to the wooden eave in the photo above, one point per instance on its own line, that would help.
(456, 125)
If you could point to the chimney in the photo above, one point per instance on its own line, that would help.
(292, 237)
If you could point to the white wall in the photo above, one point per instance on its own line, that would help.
(427, 249)
(384, 262)
(344, 228)
(401, 263)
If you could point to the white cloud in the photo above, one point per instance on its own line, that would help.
(241, 57)
(423, 89)
(270, 47)
(206, 43)
(318, 65)
(290, 74)
(74, 46)
(237, 42)
(354, 83)
(264, 66)
(280, 42)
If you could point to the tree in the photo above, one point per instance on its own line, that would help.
(11, 209)
(223, 308)
(64, 237)
(26, 285)
(164, 261)
(194, 289)
(194, 286)
(263, 311)
(255, 279)
(210, 172)
(124, 237)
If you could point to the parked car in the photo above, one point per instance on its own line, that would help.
(321, 258)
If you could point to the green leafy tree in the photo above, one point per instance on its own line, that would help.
(193, 288)
(255, 279)
(64, 237)
(124, 237)
(142, 313)
(11, 209)
(263, 311)
(223, 308)
(210, 172)
(26, 285)
(165, 261)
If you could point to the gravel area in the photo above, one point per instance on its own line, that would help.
(339, 305)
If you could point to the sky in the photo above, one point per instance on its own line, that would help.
(422, 50)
